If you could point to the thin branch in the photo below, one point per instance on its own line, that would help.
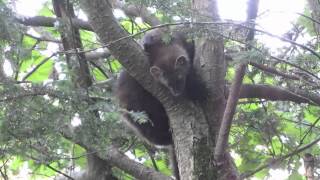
(43, 152)
(96, 55)
(273, 57)
(60, 172)
(99, 68)
(150, 153)
(118, 159)
(279, 159)
(310, 18)
(4, 172)
(43, 38)
(46, 21)
(274, 71)
(38, 66)
(224, 130)
(309, 130)
(49, 22)
(91, 56)
(282, 39)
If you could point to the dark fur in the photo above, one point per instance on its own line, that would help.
(134, 97)
(163, 55)
(169, 60)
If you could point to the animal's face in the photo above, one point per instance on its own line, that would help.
(174, 78)
(170, 61)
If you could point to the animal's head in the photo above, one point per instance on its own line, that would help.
(175, 77)
(170, 61)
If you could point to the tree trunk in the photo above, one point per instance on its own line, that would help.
(194, 126)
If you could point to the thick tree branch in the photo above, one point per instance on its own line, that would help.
(80, 76)
(107, 28)
(138, 170)
(118, 159)
(137, 11)
(309, 165)
(50, 22)
(278, 94)
(97, 55)
(222, 141)
(252, 12)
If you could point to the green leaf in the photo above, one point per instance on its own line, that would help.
(46, 11)
(295, 176)
(98, 75)
(42, 73)
(16, 164)
(80, 153)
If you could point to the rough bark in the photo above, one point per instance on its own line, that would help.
(49, 22)
(139, 171)
(77, 64)
(315, 13)
(314, 5)
(133, 11)
(273, 93)
(210, 61)
(309, 162)
(194, 127)
(189, 133)
(115, 158)
(223, 136)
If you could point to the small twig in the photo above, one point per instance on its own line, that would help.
(274, 71)
(42, 38)
(60, 172)
(4, 173)
(226, 122)
(310, 18)
(38, 66)
(309, 130)
(281, 158)
(34, 46)
(154, 163)
(282, 39)
(99, 68)
(273, 57)
(4, 176)
(73, 51)
(38, 160)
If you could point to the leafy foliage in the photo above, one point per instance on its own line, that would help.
(38, 113)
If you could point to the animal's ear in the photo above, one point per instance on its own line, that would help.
(156, 72)
(151, 39)
(181, 61)
(147, 43)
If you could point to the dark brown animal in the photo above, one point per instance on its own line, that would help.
(171, 64)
